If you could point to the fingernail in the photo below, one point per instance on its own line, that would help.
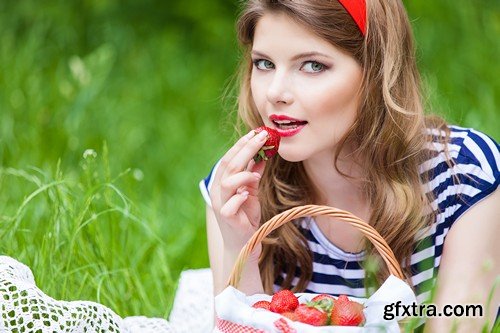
(256, 174)
(244, 193)
(250, 134)
(262, 135)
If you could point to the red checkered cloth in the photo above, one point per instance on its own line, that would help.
(225, 326)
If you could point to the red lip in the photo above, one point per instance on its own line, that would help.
(282, 117)
(290, 131)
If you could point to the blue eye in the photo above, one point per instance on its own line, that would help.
(263, 64)
(313, 67)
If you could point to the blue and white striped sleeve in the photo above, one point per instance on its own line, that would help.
(206, 184)
(478, 164)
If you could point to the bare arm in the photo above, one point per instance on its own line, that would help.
(235, 214)
(222, 262)
(215, 250)
(469, 266)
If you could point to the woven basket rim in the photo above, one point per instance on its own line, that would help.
(315, 210)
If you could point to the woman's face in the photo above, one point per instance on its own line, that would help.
(303, 86)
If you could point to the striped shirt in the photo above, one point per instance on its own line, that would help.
(476, 165)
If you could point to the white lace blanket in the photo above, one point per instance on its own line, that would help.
(25, 308)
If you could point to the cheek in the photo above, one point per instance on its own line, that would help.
(338, 92)
(334, 107)
(334, 98)
(258, 93)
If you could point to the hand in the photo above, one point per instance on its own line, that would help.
(234, 193)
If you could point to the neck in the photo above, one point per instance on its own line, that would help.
(335, 189)
(346, 193)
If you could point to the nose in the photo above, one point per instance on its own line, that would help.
(279, 91)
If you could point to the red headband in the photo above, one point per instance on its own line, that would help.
(357, 10)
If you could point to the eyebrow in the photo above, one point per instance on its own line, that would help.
(295, 57)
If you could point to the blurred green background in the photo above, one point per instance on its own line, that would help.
(111, 113)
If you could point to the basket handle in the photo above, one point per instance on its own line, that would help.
(315, 210)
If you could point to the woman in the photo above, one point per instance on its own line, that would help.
(338, 80)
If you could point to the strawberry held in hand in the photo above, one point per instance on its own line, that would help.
(270, 147)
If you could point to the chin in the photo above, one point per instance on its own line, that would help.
(292, 156)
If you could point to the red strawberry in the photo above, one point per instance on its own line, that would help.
(347, 313)
(323, 301)
(290, 315)
(311, 315)
(343, 298)
(261, 305)
(270, 147)
(321, 297)
(283, 301)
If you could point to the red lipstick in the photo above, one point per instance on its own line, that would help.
(287, 126)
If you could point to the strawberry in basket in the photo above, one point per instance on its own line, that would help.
(322, 310)
(270, 147)
(346, 312)
(284, 301)
(262, 305)
(311, 315)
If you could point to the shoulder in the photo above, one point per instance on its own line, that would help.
(461, 178)
(465, 146)
(462, 169)
(477, 148)
(465, 152)
(206, 184)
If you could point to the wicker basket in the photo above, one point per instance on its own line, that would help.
(316, 210)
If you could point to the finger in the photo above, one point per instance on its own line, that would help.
(231, 207)
(242, 189)
(252, 188)
(240, 143)
(223, 164)
(258, 170)
(241, 159)
(253, 191)
(250, 165)
(229, 185)
(228, 156)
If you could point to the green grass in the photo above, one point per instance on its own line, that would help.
(139, 83)
(458, 50)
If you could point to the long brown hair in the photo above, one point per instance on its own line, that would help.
(389, 131)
